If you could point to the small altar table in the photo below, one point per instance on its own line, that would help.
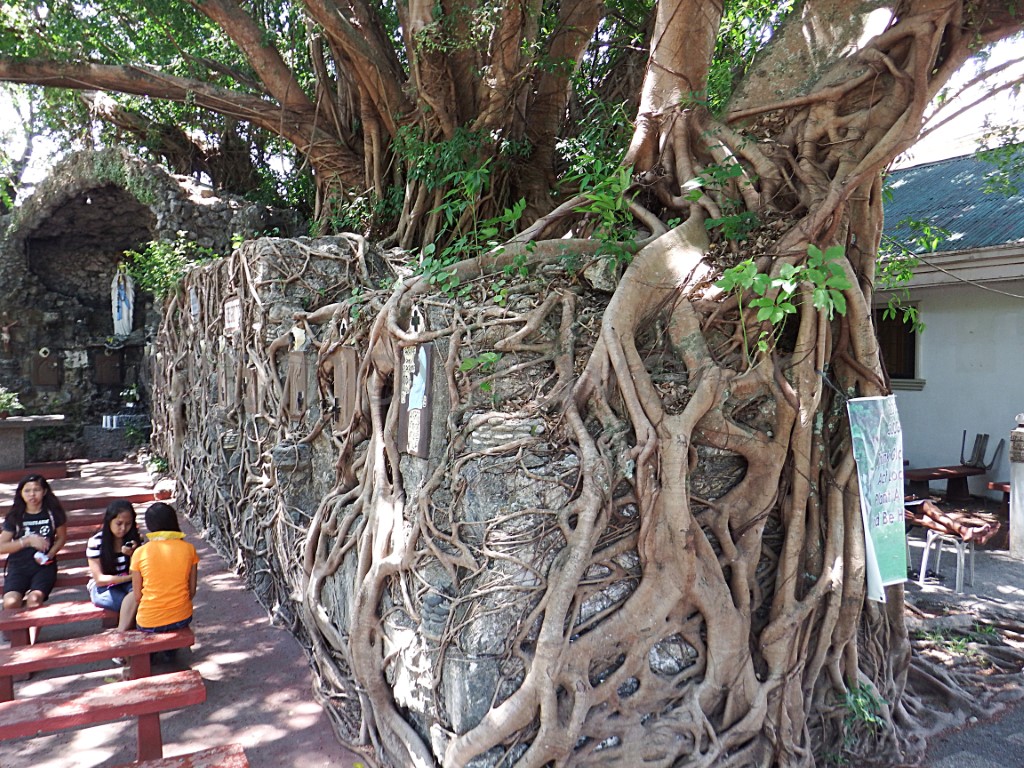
(12, 437)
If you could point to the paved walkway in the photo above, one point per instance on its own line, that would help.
(996, 742)
(258, 683)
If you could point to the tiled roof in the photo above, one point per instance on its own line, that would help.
(950, 194)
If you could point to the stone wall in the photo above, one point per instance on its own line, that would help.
(239, 412)
(250, 383)
(60, 250)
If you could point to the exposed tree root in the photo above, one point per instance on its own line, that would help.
(635, 537)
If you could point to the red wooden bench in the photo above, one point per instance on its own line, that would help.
(71, 576)
(143, 699)
(100, 500)
(80, 533)
(73, 551)
(92, 517)
(81, 530)
(1005, 488)
(103, 646)
(89, 518)
(228, 756)
(954, 475)
(16, 623)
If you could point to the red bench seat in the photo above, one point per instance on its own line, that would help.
(144, 699)
(104, 646)
(71, 576)
(72, 551)
(955, 476)
(1005, 488)
(228, 756)
(16, 623)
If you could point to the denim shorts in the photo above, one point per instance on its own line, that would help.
(109, 597)
(167, 627)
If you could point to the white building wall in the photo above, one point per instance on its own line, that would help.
(971, 357)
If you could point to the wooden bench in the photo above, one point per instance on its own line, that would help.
(100, 499)
(79, 535)
(16, 623)
(103, 646)
(1005, 488)
(74, 576)
(73, 551)
(89, 518)
(954, 475)
(78, 530)
(143, 699)
(228, 756)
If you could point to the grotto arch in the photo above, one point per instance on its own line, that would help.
(78, 248)
(60, 251)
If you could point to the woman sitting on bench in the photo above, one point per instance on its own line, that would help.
(164, 575)
(33, 533)
(109, 551)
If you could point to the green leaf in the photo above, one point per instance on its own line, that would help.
(789, 271)
(839, 301)
(839, 282)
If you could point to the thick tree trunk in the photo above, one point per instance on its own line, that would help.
(754, 576)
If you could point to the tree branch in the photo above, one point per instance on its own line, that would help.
(374, 65)
(300, 128)
(276, 76)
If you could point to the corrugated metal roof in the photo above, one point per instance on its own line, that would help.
(950, 194)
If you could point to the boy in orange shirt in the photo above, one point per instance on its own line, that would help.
(164, 573)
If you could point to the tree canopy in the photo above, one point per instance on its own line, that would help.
(391, 114)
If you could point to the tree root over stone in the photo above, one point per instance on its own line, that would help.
(624, 529)
(636, 538)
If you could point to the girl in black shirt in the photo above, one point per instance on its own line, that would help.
(33, 532)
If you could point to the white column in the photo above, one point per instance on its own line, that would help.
(1017, 489)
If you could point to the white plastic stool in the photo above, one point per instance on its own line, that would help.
(934, 537)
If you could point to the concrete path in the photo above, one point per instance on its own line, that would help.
(258, 683)
(996, 742)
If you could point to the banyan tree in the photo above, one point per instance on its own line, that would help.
(593, 499)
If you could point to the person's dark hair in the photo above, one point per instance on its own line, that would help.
(51, 503)
(161, 517)
(108, 555)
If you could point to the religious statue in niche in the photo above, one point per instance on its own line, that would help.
(122, 301)
(5, 333)
(415, 372)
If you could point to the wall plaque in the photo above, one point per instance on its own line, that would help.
(108, 367)
(345, 366)
(1017, 446)
(232, 315)
(415, 369)
(295, 395)
(45, 370)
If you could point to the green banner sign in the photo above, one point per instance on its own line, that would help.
(878, 450)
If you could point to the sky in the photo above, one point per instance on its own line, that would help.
(960, 136)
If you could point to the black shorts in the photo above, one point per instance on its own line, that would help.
(30, 577)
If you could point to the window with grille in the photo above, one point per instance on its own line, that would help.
(897, 341)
